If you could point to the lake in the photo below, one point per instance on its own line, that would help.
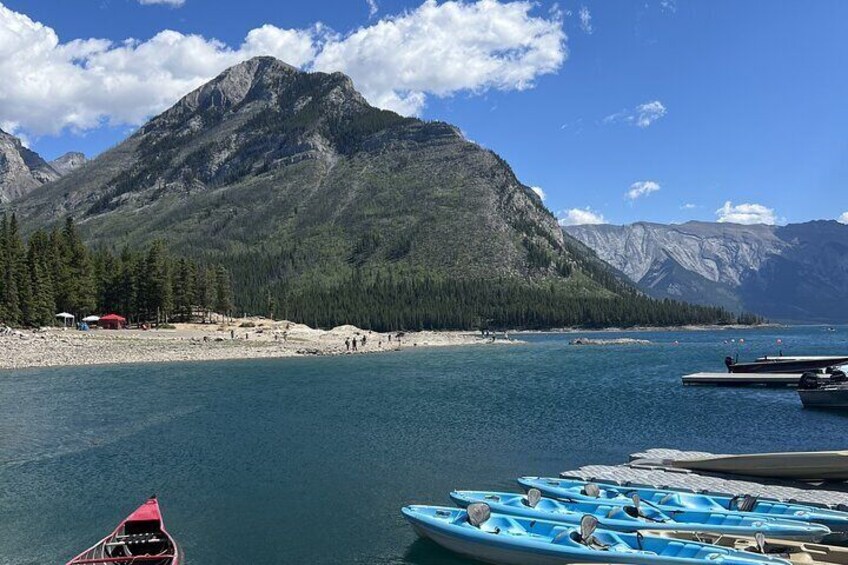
(310, 460)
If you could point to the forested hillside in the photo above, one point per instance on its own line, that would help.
(55, 272)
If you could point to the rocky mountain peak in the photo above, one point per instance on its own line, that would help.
(21, 170)
(68, 162)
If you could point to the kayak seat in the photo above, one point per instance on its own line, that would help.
(617, 513)
(680, 549)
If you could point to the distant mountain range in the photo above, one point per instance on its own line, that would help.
(322, 205)
(23, 170)
(797, 272)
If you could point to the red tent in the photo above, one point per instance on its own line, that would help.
(112, 322)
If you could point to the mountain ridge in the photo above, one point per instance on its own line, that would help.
(793, 273)
(332, 211)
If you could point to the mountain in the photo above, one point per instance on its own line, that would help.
(797, 272)
(68, 162)
(323, 206)
(21, 170)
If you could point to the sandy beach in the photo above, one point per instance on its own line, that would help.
(201, 342)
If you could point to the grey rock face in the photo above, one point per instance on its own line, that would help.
(21, 170)
(68, 162)
(797, 272)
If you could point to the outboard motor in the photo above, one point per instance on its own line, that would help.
(728, 362)
(838, 376)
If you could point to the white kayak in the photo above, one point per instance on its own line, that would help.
(798, 465)
(798, 552)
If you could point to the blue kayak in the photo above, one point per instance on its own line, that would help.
(671, 501)
(632, 517)
(488, 536)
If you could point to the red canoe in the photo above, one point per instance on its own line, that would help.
(140, 539)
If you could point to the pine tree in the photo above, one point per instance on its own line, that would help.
(76, 292)
(14, 273)
(42, 297)
(223, 292)
(205, 285)
(184, 289)
(156, 296)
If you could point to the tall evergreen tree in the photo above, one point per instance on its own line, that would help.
(155, 287)
(184, 289)
(223, 292)
(14, 273)
(42, 306)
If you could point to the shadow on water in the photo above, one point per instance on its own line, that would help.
(427, 552)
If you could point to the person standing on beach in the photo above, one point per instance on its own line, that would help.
(363, 341)
(347, 343)
(354, 343)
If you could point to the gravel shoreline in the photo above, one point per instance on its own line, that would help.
(197, 342)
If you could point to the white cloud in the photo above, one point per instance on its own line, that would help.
(436, 49)
(580, 216)
(442, 49)
(688, 206)
(843, 219)
(641, 188)
(641, 116)
(746, 214)
(175, 3)
(585, 19)
(373, 8)
(539, 192)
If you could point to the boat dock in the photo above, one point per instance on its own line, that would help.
(647, 469)
(743, 379)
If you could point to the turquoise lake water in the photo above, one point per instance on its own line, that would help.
(310, 460)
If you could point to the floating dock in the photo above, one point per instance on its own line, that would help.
(743, 379)
(646, 469)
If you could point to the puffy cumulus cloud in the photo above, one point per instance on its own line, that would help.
(641, 188)
(843, 219)
(442, 49)
(174, 3)
(641, 116)
(580, 217)
(745, 214)
(436, 49)
(539, 192)
(585, 20)
(81, 84)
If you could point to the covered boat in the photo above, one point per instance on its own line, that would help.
(670, 501)
(479, 533)
(141, 539)
(780, 364)
(638, 516)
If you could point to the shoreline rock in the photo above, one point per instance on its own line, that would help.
(616, 341)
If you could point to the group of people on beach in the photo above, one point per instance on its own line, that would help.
(350, 344)
(354, 343)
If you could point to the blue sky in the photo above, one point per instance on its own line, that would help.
(684, 105)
